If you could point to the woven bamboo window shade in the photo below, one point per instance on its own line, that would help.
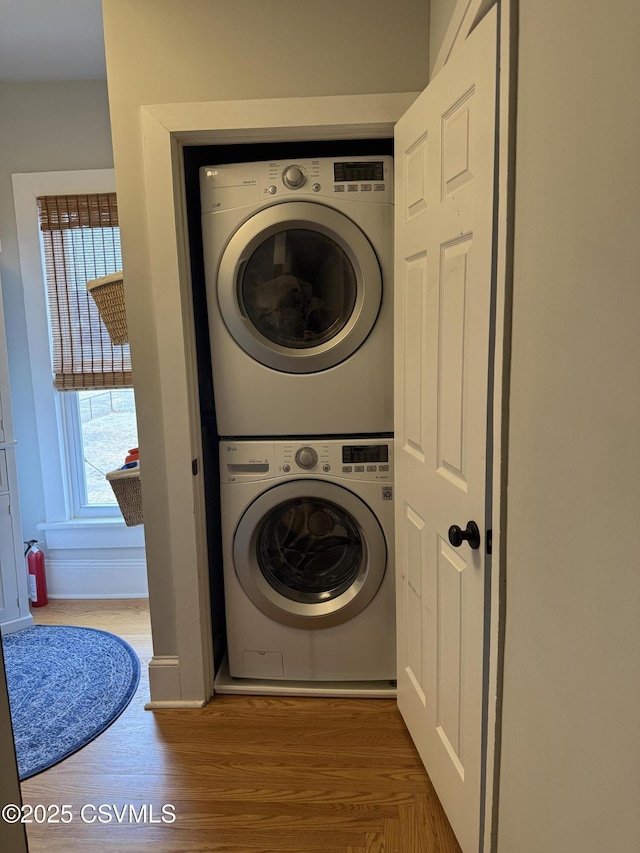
(81, 241)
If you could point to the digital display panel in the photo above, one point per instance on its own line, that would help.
(359, 171)
(355, 453)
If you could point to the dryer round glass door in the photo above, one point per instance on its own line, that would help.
(299, 287)
(309, 554)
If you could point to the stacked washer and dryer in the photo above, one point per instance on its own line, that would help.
(298, 267)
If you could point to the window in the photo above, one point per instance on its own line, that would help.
(73, 516)
(100, 426)
(80, 241)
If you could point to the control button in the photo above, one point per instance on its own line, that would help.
(272, 190)
(359, 468)
(366, 188)
(293, 177)
(352, 188)
(326, 467)
(378, 188)
(347, 469)
(383, 468)
(338, 188)
(316, 188)
(286, 468)
(372, 467)
(306, 457)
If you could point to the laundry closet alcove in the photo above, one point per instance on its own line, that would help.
(185, 679)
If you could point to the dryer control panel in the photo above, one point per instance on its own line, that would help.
(364, 179)
(350, 459)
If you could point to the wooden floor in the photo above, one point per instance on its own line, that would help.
(244, 775)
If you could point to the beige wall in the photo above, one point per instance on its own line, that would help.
(440, 14)
(570, 777)
(206, 50)
(160, 51)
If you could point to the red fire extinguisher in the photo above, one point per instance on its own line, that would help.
(37, 576)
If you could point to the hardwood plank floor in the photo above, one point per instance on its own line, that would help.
(246, 774)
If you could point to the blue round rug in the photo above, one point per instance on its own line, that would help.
(66, 685)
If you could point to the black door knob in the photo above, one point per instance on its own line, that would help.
(471, 534)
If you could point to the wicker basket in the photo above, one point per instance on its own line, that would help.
(108, 294)
(126, 487)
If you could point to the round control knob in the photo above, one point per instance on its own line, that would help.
(293, 177)
(306, 457)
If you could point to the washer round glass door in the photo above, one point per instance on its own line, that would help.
(309, 554)
(299, 287)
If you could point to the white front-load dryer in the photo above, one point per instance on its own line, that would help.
(307, 529)
(298, 267)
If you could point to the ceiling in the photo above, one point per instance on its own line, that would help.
(51, 40)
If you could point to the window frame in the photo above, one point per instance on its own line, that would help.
(49, 408)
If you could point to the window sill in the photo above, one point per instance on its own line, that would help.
(92, 533)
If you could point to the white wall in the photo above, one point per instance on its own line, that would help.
(159, 51)
(570, 773)
(43, 127)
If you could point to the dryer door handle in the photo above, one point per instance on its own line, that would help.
(236, 284)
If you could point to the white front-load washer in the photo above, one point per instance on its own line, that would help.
(298, 268)
(307, 530)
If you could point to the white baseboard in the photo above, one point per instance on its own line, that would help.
(164, 681)
(17, 624)
(164, 685)
(91, 596)
(97, 578)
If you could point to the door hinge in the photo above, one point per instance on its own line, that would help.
(194, 467)
(489, 540)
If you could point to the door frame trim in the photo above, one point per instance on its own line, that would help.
(166, 129)
(507, 59)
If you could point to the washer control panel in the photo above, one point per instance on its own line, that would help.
(367, 179)
(350, 459)
(360, 459)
